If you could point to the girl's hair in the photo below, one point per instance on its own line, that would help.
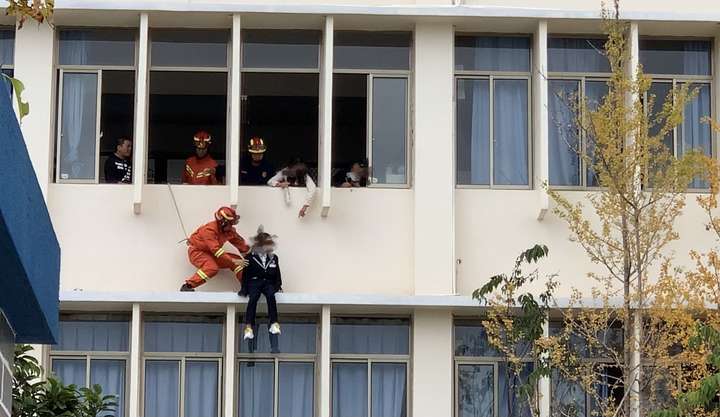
(300, 170)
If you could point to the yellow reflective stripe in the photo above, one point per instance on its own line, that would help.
(238, 269)
(219, 252)
(202, 275)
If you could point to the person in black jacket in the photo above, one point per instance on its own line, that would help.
(261, 277)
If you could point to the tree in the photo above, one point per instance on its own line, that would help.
(33, 397)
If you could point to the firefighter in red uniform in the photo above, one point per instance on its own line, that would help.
(200, 168)
(206, 253)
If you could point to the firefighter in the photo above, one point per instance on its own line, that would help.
(256, 170)
(206, 253)
(200, 169)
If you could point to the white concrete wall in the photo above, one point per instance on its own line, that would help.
(432, 369)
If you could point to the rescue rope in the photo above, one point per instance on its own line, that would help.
(177, 211)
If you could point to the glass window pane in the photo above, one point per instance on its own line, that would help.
(694, 133)
(510, 132)
(70, 371)
(370, 336)
(296, 388)
(96, 47)
(577, 55)
(682, 57)
(372, 50)
(79, 126)
(389, 390)
(201, 388)
(188, 48)
(595, 91)
(492, 53)
(660, 91)
(349, 390)
(84, 335)
(568, 398)
(475, 390)
(162, 388)
(473, 131)
(110, 375)
(508, 381)
(298, 336)
(389, 131)
(186, 336)
(564, 141)
(7, 46)
(256, 389)
(273, 48)
(471, 339)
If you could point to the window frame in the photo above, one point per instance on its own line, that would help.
(276, 359)
(491, 76)
(370, 359)
(182, 358)
(4, 67)
(60, 70)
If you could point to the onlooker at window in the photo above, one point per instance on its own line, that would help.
(356, 177)
(256, 170)
(118, 166)
(200, 169)
(295, 175)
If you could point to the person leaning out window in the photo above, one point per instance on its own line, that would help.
(295, 175)
(118, 166)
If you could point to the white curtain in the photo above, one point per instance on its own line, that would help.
(201, 389)
(371, 337)
(564, 161)
(110, 375)
(256, 389)
(476, 390)
(70, 371)
(162, 388)
(473, 131)
(694, 134)
(296, 389)
(79, 130)
(389, 390)
(349, 390)
(510, 132)
(93, 336)
(163, 336)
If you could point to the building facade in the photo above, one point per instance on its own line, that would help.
(452, 105)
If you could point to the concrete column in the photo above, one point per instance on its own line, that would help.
(141, 107)
(324, 378)
(544, 384)
(540, 117)
(34, 66)
(233, 156)
(716, 85)
(432, 364)
(434, 175)
(135, 362)
(325, 114)
(229, 374)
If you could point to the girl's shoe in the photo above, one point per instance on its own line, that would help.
(248, 333)
(275, 328)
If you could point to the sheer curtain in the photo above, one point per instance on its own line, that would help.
(79, 130)
(694, 134)
(389, 130)
(296, 338)
(162, 388)
(473, 131)
(564, 161)
(371, 337)
(510, 132)
(256, 389)
(93, 335)
(110, 375)
(696, 57)
(476, 394)
(296, 389)
(349, 390)
(201, 388)
(70, 371)
(595, 91)
(389, 391)
(161, 336)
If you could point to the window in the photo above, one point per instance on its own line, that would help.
(183, 360)
(492, 110)
(370, 107)
(484, 385)
(94, 349)
(7, 53)
(578, 73)
(279, 384)
(7, 348)
(370, 362)
(96, 95)
(280, 88)
(188, 94)
(671, 64)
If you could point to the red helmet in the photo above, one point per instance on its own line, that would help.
(202, 139)
(257, 145)
(226, 215)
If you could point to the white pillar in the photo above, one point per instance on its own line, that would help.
(324, 385)
(233, 157)
(434, 175)
(716, 85)
(540, 117)
(34, 66)
(141, 107)
(544, 383)
(325, 115)
(432, 363)
(135, 362)
(230, 349)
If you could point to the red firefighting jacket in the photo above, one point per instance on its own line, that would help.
(195, 171)
(210, 238)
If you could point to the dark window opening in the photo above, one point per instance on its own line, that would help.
(117, 112)
(182, 104)
(349, 129)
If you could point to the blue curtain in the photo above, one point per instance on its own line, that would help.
(492, 53)
(201, 388)
(389, 390)
(510, 132)
(162, 388)
(256, 389)
(473, 131)
(93, 336)
(70, 371)
(509, 385)
(296, 391)
(163, 336)
(563, 138)
(349, 390)
(577, 55)
(110, 375)
(568, 397)
(595, 91)
(296, 338)
(476, 391)
(371, 337)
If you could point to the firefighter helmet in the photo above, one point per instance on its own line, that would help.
(226, 215)
(202, 139)
(257, 145)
